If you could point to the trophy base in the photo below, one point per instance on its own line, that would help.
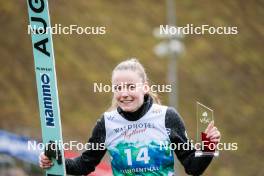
(203, 154)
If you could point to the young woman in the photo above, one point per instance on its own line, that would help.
(135, 131)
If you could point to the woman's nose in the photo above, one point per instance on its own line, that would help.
(124, 93)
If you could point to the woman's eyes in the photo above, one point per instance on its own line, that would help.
(117, 88)
(128, 87)
(131, 87)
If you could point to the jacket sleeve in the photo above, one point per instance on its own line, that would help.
(89, 159)
(177, 134)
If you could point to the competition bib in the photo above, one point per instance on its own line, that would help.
(135, 146)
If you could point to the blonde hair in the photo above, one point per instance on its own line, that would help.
(134, 65)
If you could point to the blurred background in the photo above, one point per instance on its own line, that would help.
(224, 72)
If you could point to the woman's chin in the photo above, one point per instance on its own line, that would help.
(127, 109)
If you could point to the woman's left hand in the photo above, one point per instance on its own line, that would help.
(213, 134)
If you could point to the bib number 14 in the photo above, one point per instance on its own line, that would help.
(141, 156)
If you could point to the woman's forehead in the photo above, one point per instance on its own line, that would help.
(125, 77)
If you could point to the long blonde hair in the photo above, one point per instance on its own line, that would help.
(134, 65)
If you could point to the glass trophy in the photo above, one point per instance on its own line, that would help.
(204, 116)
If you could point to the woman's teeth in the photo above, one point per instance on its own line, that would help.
(126, 101)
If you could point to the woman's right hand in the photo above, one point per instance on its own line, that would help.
(44, 161)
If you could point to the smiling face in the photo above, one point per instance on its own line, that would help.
(129, 90)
